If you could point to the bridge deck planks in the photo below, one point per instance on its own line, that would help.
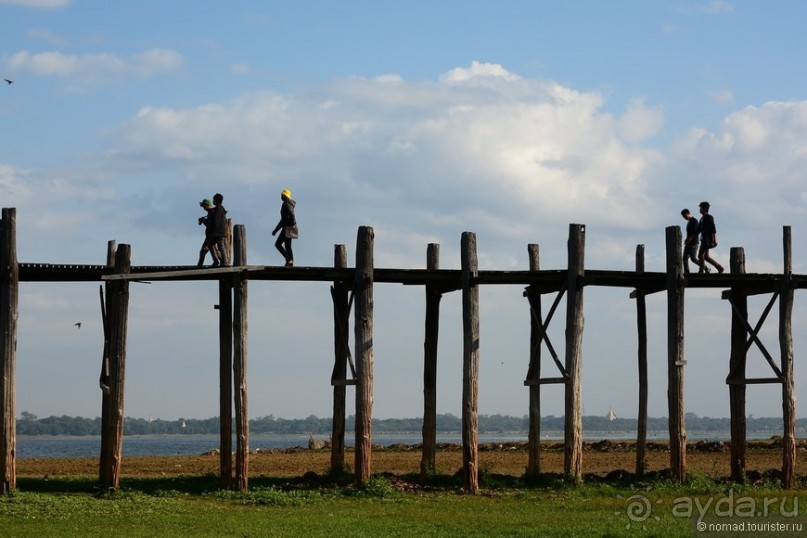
(447, 279)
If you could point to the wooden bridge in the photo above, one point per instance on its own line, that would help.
(352, 289)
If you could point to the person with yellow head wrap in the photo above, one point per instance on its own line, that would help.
(288, 225)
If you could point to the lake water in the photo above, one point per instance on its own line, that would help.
(42, 446)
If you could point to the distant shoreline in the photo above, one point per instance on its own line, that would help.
(600, 427)
(67, 446)
(551, 435)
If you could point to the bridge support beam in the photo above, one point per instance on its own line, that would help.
(240, 360)
(573, 426)
(737, 363)
(112, 413)
(641, 331)
(675, 354)
(534, 371)
(9, 312)
(470, 363)
(341, 330)
(786, 349)
(432, 329)
(363, 330)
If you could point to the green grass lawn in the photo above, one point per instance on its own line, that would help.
(193, 506)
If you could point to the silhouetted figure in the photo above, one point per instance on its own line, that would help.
(691, 241)
(209, 244)
(708, 232)
(219, 230)
(287, 226)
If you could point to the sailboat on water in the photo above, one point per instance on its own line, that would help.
(611, 414)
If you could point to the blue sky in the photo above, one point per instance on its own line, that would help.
(510, 119)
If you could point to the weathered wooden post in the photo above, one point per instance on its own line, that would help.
(363, 331)
(112, 413)
(641, 329)
(225, 308)
(534, 371)
(428, 458)
(470, 362)
(228, 242)
(341, 326)
(737, 362)
(9, 313)
(675, 353)
(103, 378)
(786, 349)
(573, 421)
(240, 359)
(111, 249)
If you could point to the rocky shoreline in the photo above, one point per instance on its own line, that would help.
(601, 460)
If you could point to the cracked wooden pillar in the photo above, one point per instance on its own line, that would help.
(573, 420)
(240, 359)
(341, 328)
(786, 350)
(533, 295)
(429, 454)
(9, 313)
(470, 363)
(641, 330)
(675, 353)
(103, 379)
(225, 308)
(363, 331)
(112, 412)
(737, 362)
(228, 242)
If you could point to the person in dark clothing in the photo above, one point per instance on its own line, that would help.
(691, 241)
(708, 232)
(284, 225)
(209, 244)
(218, 225)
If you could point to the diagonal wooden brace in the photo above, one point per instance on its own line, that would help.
(753, 333)
(543, 326)
(334, 376)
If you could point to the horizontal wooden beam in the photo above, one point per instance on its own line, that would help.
(755, 381)
(181, 274)
(545, 381)
(644, 292)
(545, 281)
(342, 382)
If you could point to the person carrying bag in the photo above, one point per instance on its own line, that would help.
(288, 224)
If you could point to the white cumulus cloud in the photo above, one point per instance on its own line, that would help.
(38, 4)
(640, 122)
(79, 72)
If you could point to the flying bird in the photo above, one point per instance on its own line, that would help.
(8, 81)
(78, 325)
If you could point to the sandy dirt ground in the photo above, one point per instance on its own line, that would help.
(763, 460)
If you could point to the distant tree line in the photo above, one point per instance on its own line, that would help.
(29, 424)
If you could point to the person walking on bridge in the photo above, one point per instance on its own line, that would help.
(218, 231)
(691, 241)
(209, 244)
(287, 226)
(708, 232)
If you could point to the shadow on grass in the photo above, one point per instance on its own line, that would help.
(343, 483)
(188, 484)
